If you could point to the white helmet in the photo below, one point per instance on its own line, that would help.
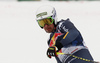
(45, 12)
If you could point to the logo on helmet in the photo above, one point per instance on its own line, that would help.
(41, 14)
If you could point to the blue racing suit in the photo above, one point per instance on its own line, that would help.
(68, 39)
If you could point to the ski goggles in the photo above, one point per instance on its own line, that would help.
(47, 21)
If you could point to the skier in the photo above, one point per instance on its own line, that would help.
(64, 37)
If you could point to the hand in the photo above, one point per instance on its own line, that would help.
(51, 51)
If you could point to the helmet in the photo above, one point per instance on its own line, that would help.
(45, 12)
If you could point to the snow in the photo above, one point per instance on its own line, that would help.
(23, 41)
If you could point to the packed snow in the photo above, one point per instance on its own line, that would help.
(23, 41)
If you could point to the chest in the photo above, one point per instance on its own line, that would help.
(53, 38)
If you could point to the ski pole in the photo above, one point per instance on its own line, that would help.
(78, 57)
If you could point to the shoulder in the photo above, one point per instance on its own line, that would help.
(66, 22)
(64, 25)
(63, 21)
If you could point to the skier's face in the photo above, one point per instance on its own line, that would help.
(49, 28)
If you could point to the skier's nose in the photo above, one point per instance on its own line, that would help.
(45, 25)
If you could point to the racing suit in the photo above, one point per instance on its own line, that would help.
(68, 39)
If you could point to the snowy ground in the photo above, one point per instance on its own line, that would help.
(22, 41)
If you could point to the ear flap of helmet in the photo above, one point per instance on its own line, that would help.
(54, 16)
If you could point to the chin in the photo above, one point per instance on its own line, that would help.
(48, 31)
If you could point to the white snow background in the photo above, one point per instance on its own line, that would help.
(23, 41)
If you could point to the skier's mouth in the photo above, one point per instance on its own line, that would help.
(48, 30)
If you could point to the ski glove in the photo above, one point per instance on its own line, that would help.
(51, 51)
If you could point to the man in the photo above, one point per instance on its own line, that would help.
(64, 38)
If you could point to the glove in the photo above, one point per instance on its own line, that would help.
(51, 51)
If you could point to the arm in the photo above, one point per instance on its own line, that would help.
(69, 31)
(69, 36)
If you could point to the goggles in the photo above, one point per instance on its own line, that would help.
(47, 21)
